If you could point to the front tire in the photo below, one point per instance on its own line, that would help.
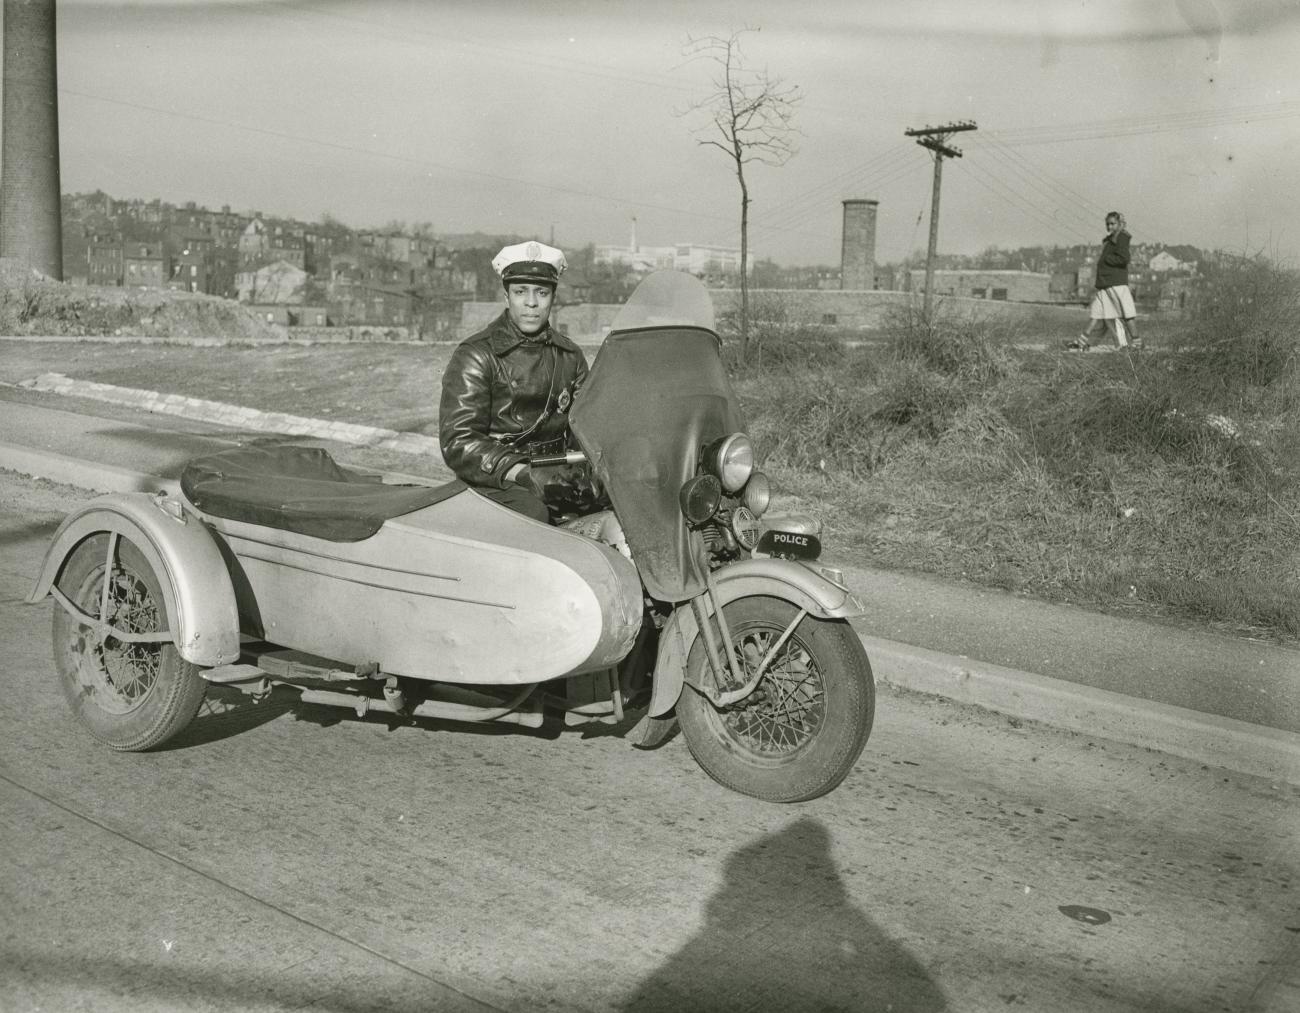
(799, 733)
(130, 696)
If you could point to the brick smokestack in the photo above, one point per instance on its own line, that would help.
(858, 246)
(30, 203)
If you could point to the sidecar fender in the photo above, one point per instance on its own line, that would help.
(195, 582)
(802, 584)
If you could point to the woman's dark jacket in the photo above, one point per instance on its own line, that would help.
(1112, 265)
(505, 396)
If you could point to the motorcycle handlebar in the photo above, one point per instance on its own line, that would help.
(570, 457)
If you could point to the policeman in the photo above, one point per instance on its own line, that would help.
(507, 390)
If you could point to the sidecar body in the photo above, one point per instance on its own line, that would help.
(435, 583)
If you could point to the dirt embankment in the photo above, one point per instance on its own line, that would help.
(32, 304)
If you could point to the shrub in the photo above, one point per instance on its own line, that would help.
(782, 335)
(950, 344)
(1246, 324)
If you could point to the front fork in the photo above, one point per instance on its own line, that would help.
(723, 663)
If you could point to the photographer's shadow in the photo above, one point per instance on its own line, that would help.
(782, 934)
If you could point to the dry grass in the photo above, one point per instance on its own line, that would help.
(1162, 484)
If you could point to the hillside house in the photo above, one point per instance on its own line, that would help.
(276, 283)
(144, 265)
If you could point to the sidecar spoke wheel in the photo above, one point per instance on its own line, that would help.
(804, 726)
(130, 695)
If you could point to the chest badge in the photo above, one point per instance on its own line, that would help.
(564, 400)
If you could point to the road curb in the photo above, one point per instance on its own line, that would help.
(1194, 735)
(235, 416)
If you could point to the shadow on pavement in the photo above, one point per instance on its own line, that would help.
(224, 713)
(781, 933)
(191, 981)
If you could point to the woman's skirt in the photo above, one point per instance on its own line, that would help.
(1114, 303)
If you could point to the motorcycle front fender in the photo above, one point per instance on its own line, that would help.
(801, 584)
(195, 582)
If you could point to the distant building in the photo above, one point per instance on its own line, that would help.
(254, 244)
(1166, 260)
(199, 264)
(1006, 286)
(278, 283)
(104, 261)
(144, 265)
(701, 260)
(858, 245)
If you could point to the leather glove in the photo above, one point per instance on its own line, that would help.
(531, 481)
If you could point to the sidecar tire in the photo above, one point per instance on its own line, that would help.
(160, 692)
(822, 671)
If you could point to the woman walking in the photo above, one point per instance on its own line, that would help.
(1112, 308)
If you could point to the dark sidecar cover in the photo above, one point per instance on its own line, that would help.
(657, 393)
(301, 489)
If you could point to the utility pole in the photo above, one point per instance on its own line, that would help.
(936, 139)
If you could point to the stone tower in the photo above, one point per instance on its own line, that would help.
(30, 202)
(858, 247)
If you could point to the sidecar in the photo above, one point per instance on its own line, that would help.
(278, 562)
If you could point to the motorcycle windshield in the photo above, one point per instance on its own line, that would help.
(656, 394)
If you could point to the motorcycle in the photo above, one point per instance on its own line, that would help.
(683, 603)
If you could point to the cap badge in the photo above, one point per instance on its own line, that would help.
(534, 251)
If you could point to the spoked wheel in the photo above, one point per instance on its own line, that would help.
(799, 733)
(131, 689)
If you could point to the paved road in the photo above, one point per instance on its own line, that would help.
(287, 857)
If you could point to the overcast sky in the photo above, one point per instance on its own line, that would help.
(563, 117)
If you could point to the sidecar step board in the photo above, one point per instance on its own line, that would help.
(225, 675)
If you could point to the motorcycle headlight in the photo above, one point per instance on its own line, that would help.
(757, 494)
(699, 498)
(732, 460)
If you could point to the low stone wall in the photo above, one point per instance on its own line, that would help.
(354, 332)
(841, 311)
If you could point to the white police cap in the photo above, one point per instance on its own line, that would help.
(529, 262)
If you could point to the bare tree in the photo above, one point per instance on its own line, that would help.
(750, 119)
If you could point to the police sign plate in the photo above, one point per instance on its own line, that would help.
(790, 545)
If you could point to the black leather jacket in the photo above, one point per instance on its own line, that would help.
(504, 396)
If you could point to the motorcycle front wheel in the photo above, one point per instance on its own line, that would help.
(799, 733)
(132, 696)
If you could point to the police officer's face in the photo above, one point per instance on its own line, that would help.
(530, 305)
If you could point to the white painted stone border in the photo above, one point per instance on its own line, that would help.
(236, 416)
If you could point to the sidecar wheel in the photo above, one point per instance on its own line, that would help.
(130, 696)
(799, 733)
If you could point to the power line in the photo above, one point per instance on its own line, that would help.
(389, 156)
(1031, 184)
(416, 36)
(860, 179)
(1012, 197)
(993, 137)
(1153, 124)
